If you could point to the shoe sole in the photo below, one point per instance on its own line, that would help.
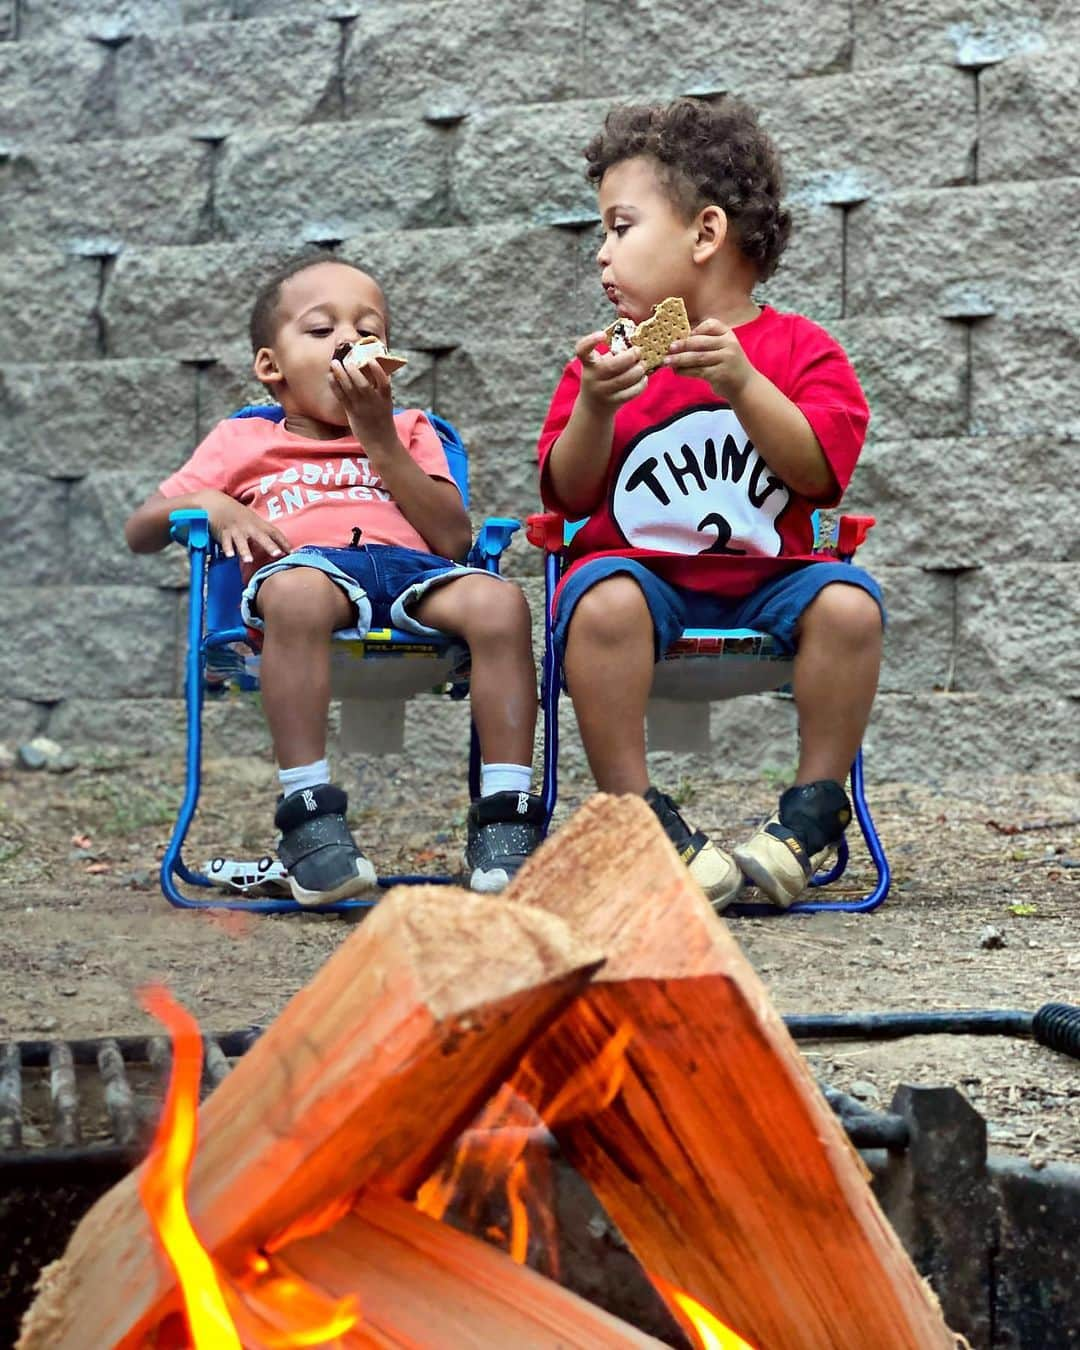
(489, 883)
(364, 880)
(759, 875)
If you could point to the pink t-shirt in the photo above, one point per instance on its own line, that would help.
(687, 493)
(316, 492)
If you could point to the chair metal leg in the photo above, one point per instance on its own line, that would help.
(880, 890)
(550, 688)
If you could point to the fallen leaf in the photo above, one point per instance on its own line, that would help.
(97, 868)
(80, 841)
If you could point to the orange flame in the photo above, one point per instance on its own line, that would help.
(506, 1146)
(708, 1331)
(265, 1305)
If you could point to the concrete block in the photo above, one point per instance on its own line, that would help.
(1029, 116)
(913, 371)
(848, 136)
(1016, 628)
(639, 50)
(497, 394)
(919, 633)
(20, 719)
(74, 74)
(810, 279)
(185, 302)
(108, 20)
(918, 252)
(102, 194)
(68, 419)
(36, 289)
(214, 79)
(156, 724)
(928, 737)
(444, 287)
(33, 528)
(526, 162)
(961, 32)
(967, 501)
(471, 56)
(8, 20)
(88, 641)
(331, 182)
(97, 552)
(1024, 372)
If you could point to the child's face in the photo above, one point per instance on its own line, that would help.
(647, 253)
(318, 308)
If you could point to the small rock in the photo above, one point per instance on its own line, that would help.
(68, 990)
(864, 1091)
(991, 938)
(48, 1024)
(39, 753)
(874, 941)
(64, 762)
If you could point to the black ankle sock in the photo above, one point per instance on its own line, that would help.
(816, 813)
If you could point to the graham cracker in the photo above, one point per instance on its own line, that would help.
(354, 354)
(654, 335)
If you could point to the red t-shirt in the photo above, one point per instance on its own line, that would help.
(316, 492)
(687, 493)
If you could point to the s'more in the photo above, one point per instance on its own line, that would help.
(653, 335)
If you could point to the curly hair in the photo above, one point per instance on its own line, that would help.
(707, 153)
(263, 325)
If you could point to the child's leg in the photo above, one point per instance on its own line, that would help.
(492, 616)
(831, 614)
(837, 663)
(609, 661)
(507, 822)
(617, 622)
(300, 608)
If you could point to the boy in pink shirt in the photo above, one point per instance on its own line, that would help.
(345, 515)
(700, 479)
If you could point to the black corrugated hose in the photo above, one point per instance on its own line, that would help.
(1055, 1025)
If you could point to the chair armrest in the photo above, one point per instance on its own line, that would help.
(851, 531)
(547, 531)
(190, 527)
(493, 539)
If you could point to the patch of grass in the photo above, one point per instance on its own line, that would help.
(127, 807)
(685, 791)
(780, 776)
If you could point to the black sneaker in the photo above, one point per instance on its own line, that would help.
(503, 830)
(712, 868)
(316, 848)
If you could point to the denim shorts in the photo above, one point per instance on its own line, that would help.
(384, 582)
(774, 608)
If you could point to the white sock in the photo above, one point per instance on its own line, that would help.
(304, 776)
(504, 778)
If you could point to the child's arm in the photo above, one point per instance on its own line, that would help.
(577, 464)
(432, 506)
(778, 428)
(236, 527)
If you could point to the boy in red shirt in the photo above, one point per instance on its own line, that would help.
(345, 515)
(700, 479)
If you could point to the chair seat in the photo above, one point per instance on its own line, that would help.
(718, 663)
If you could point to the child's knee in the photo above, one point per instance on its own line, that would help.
(300, 597)
(608, 612)
(494, 608)
(845, 613)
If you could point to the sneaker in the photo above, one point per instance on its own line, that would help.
(712, 868)
(796, 842)
(317, 849)
(503, 830)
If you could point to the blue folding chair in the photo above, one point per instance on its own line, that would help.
(703, 666)
(377, 673)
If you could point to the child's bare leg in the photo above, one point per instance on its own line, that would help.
(493, 618)
(836, 673)
(301, 607)
(609, 672)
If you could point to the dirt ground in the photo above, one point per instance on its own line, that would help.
(83, 923)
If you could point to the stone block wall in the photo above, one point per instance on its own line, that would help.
(158, 156)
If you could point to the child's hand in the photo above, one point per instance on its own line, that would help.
(612, 378)
(238, 530)
(364, 392)
(712, 352)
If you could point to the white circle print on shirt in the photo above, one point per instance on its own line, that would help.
(697, 485)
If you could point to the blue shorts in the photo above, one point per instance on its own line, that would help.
(774, 608)
(384, 582)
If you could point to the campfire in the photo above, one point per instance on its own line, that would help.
(600, 1002)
